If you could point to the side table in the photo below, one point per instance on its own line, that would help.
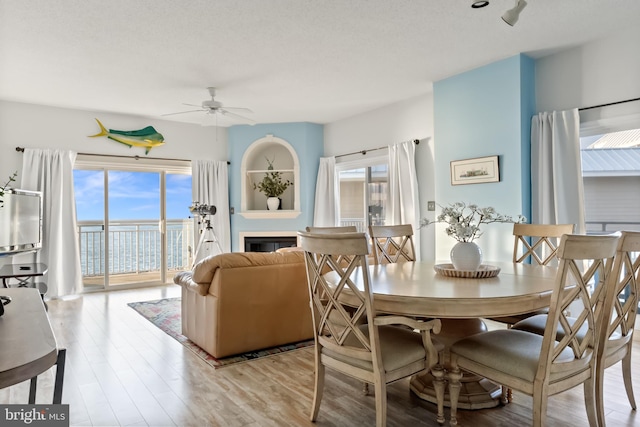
(23, 274)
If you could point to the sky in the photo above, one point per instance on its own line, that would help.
(132, 195)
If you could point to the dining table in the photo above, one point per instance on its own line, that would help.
(416, 289)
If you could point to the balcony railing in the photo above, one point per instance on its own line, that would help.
(134, 246)
(602, 227)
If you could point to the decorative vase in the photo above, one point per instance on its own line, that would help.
(466, 256)
(273, 203)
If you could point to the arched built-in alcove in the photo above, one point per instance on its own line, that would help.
(256, 162)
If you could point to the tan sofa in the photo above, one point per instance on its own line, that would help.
(239, 302)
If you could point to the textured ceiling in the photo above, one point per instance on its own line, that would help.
(286, 60)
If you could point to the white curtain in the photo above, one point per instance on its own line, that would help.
(51, 171)
(557, 195)
(210, 181)
(327, 194)
(404, 199)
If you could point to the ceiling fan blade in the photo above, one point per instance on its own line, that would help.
(248, 110)
(234, 115)
(183, 112)
(192, 105)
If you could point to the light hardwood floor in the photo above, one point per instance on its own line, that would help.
(122, 370)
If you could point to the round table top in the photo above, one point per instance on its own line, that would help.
(415, 289)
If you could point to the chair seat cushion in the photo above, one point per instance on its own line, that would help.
(513, 352)
(536, 324)
(510, 320)
(399, 347)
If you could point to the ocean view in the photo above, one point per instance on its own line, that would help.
(134, 246)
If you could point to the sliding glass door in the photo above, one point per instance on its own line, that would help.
(134, 226)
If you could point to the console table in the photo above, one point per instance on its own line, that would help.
(29, 346)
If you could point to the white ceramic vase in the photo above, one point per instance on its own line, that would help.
(466, 256)
(273, 203)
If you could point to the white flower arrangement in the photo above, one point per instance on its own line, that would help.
(464, 220)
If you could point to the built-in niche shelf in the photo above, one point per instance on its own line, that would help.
(256, 160)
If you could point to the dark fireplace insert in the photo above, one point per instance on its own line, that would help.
(268, 244)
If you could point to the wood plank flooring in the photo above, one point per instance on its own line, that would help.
(122, 370)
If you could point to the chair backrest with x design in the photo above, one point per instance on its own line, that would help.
(621, 299)
(583, 262)
(538, 241)
(324, 254)
(392, 243)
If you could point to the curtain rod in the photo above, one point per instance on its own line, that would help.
(363, 152)
(611, 103)
(21, 150)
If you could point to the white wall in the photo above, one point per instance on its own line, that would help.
(36, 126)
(403, 121)
(603, 71)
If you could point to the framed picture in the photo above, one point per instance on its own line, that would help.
(475, 171)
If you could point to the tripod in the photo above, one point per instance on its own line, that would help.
(207, 236)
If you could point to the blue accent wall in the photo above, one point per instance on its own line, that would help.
(484, 112)
(307, 139)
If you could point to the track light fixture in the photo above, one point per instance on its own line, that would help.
(511, 16)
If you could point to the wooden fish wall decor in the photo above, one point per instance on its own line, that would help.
(147, 138)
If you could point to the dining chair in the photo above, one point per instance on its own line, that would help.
(538, 365)
(392, 243)
(620, 309)
(375, 352)
(536, 244)
(620, 306)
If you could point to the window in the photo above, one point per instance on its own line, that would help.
(364, 191)
(611, 178)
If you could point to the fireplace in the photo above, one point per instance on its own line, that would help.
(266, 241)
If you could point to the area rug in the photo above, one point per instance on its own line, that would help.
(165, 314)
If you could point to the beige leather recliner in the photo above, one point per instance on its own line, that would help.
(238, 302)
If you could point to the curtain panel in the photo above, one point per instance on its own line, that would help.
(51, 171)
(557, 192)
(325, 213)
(210, 181)
(404, 198)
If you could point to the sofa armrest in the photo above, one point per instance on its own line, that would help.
(185, 279)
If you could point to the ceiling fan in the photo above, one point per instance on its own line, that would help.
(216, 108)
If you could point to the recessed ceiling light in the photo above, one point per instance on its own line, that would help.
(479, 4)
